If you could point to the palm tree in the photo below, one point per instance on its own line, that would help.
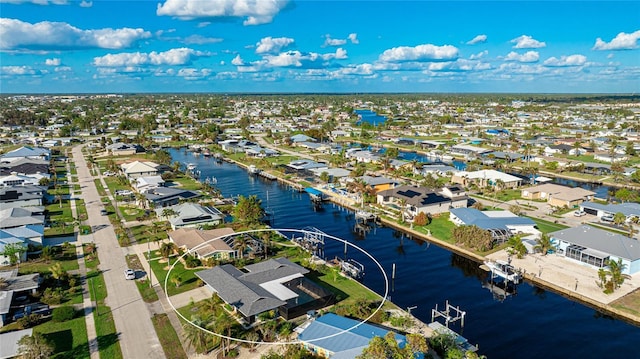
(544, 244)
(196, 337)
(169, 212)
(166, 250)
(240, 244)
(619, 218)
(615, 271)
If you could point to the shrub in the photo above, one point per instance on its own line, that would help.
(64, 313)
(421, 219)
(29, 321)
(191, 261)
(51, 296)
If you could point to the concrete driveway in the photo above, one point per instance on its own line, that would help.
(132, 317)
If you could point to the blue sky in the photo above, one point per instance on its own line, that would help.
(69, 46)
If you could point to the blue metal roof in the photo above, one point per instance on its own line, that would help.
(330, 324)
(471, 216)
(313, 191)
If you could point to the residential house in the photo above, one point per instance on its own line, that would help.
(378, 183)
(167, 196)
(9, 341)
(606, 157)
(557, 195)
(594, 247)
(15, 179)
(145, 183)
(17, 285)
(274, 284)
(486, 178)
(301, 138)
(501, 224)
(26, 152)
(413, 200)
(219, 242)
(21, 196)
(336, 337)
(629, 209)
(21, 217)
(137, 169)
(193, 215)
(25, 167)
(124, 149)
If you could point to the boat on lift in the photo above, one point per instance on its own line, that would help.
(504, 270)
(191, 166)
(364, 215)
(253, 169)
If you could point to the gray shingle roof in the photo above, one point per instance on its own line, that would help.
(243, 290)
(600, 240)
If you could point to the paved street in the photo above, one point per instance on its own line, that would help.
(132, 318)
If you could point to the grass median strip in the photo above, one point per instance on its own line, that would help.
(107, 336)
(168, 337)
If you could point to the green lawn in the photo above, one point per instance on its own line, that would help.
(69, 338)
(546, 226)
(440, 227)
(188, 277)
(99, 186)
(171, 343)
(114, 185)
(144, 233)
(186, 182)
(67, 258)
(81, 210)
(108, 344)
(346, 289)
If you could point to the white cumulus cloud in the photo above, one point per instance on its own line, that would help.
(272, 44)
(622, 41)
(171, 57)
(52, 62)
(565, 61)
(46, 35)
(84, 3)
(529, 56)
(328, 41)
(17, 70)
(353, 37)
(479, 55)
(479, 39)
(255, 12)
(237, 61)
(527, 42)
(426, 52)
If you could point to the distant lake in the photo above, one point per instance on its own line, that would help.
(371, 117)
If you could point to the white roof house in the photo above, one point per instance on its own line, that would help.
(26, 152)
(146, 182)
(139, 169)
(486, 178)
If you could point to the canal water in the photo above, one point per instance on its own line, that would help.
(534, 323)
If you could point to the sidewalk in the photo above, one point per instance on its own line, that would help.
(87, 304)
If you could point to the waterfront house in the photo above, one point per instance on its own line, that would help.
(301, 138)
(413, 200)
(336, 337)
(378, 183)
(501, 224)
(272, 285)
(486, 178)
(218, 245)
(594, 247)
(557, 195)
(193, 215)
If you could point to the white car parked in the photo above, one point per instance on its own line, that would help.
(129, 274)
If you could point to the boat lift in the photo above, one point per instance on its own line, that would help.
(312, 241)
(450, 314)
